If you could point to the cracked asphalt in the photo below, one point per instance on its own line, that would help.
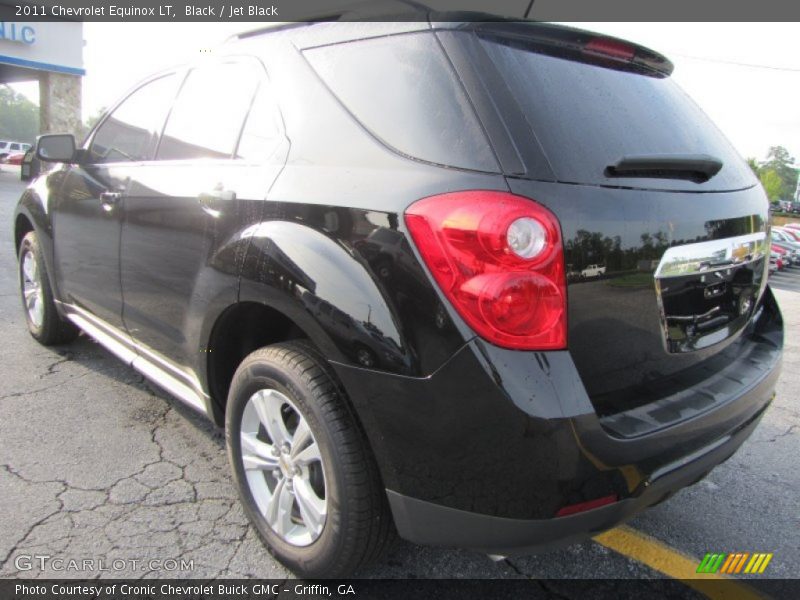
(96, 463)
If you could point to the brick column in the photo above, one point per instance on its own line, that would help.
(60, 104)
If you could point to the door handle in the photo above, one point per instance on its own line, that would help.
(212, 201)
(216, 195)
(109, 200)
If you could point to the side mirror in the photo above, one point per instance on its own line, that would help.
(57, 147)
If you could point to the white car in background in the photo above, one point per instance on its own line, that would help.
(593, 271)
(7, 148)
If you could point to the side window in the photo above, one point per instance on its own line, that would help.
(208, 115)
(130, 132)
(402, 88)
(14, 146)
(261, 132)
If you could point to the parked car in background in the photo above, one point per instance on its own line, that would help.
(7, 148)
(358, 269)
(784, 240)
(790, 233)
(15, 158)
(785, 253)
(593, 271)
(775, 263)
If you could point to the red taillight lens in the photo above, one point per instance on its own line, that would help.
(499, 259)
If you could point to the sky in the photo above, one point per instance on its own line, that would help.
(746, 76)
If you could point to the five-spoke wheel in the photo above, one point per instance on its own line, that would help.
(283, 467)
(306, 476)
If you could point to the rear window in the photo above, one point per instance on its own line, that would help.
(404, 91)
(587, 117)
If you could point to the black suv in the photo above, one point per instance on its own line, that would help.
(349, 245)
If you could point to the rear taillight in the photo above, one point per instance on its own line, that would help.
(499, 259)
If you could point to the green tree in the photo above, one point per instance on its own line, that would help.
(92, 121)
(753, 164)
(782, 163)
(19, 117)
(773, 184)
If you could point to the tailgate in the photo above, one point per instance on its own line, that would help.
(683, 276)
(664, 225)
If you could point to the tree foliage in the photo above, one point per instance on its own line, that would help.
(92, 120)
(777, 173)
(773, 184)
(19, 117)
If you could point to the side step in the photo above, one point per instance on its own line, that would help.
(109, 337)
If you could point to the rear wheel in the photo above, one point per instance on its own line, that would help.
(41, 316)
(306, 477)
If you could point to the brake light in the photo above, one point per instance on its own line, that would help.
(499, 260)
(608, 47)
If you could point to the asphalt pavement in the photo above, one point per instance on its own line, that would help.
(97, 463)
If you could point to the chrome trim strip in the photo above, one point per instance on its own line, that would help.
(106, 340)
(713, 255)
(163, 363)
(163, 379)
(136, 355)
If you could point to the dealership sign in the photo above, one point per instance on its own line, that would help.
(43, 46)
(17, 32)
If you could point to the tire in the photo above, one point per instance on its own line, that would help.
(44, 323)
(293, 380)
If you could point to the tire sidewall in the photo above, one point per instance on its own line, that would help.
(323, 551)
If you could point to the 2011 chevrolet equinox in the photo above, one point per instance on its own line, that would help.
(497, 285)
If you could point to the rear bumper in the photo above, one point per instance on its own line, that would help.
(433, 524)
(484, 452)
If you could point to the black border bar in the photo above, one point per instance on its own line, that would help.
(397, 10)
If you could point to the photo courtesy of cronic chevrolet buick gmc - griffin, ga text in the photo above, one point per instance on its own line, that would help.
(497, 285)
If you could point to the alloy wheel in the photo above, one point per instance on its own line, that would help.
(32, 288)
(283, 467)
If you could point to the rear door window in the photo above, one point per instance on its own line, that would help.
(208, 115)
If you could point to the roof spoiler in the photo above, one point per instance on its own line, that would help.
(575, 44)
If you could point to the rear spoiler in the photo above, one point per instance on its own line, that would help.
(575, 44)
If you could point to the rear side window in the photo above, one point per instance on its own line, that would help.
(261, 133)
(587, 117)
(129, 133)
(404, 91)
(208, 115)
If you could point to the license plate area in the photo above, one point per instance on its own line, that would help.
(707, 291)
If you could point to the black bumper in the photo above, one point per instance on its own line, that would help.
(485, 452)
(433, 524)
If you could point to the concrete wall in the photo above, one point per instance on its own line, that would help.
(60, 104)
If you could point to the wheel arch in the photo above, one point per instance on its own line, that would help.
(242, 328)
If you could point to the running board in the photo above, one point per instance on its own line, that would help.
(108, 337)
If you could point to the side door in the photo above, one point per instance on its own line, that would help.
(221, 149)
(87, 209)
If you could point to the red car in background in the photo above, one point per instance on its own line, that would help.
(14, 159)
